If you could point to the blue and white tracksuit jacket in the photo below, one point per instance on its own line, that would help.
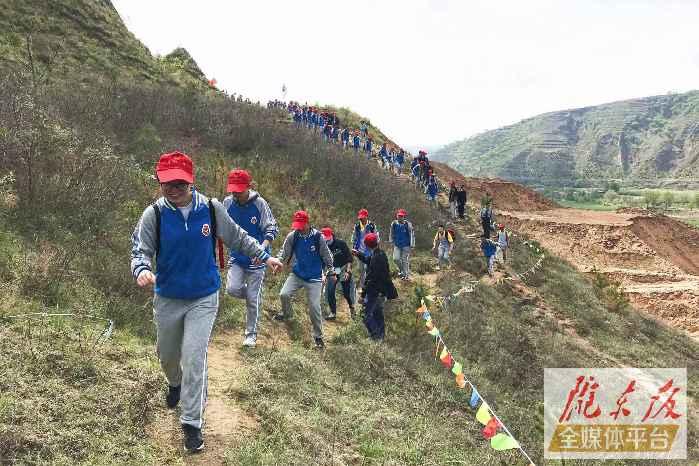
(255, 217)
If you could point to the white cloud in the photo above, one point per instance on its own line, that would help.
(431, 71)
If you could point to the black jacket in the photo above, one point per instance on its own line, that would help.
(341, 253)
(378, 278)
(460, 196)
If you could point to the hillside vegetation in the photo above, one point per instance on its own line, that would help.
(646, 142)
(76, 170)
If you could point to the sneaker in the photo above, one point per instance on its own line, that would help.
(173, 396)
(331, 317)
(280, 317)
(193, 441)
(319, 343)
(250, 341)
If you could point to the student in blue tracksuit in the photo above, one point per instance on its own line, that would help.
(383, 154)
(399, 161)
(249, 210)
(356, 142)
(180, 230)
(307, 253)
(402, 235)
(367, 147)
(489, 248)
(363, 227)
(414, 169)
(432, 189)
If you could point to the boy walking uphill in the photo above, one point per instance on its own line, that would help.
(363, 227)
(443, 243)
(180, 230)
(249, 210)
(307, 252)
(379, 287)
(342, 262)
(402, 236)
(489, 248)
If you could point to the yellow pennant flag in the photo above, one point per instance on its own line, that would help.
(503, 442)
(483, 415)
(434, 332)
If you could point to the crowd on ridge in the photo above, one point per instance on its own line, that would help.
(183, 228)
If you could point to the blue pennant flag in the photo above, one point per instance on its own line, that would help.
(426, 315)
(475, 398)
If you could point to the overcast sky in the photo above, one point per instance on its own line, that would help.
(428, 72)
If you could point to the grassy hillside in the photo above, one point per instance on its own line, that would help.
(76, 173)
(637, 141)
(84, 40)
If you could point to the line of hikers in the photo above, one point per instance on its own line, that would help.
(328, 126)
(178, 240)
(175, 247)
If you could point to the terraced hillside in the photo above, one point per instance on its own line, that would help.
(642, 141)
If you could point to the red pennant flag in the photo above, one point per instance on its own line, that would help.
(491, 428)
(447, 360)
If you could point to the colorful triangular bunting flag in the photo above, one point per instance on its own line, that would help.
(457, 369)
(475, 398)
(483, 415)
(503, 441)
(460, 380)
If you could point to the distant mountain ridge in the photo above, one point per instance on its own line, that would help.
(652, 140)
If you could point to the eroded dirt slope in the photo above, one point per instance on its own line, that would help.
(654, 257)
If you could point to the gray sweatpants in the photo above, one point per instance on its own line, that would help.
(313, 291)
(401, 256)
(184, 329)
(247, 283)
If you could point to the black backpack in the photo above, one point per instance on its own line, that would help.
(212, 212)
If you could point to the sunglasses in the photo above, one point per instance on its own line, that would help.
(179, 185)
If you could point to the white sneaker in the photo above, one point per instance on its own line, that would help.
(250, 341)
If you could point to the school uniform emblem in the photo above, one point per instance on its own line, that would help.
(253, 220)
(313, 247)
(206, 229)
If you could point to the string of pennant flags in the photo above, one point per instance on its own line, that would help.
(494, 429)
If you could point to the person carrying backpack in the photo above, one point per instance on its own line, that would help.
(362, 227)
(345, 138)
(443, 244)
(489, 248)
(503, 242)
(249, 210)
(379, 287)
(342, 262)
(306, 251)
(180, 230)
(486, 219)
(402, 235)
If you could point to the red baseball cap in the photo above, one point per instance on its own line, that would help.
(299, 220)
(238, 181)
(175, 166)
(401, 213)
(327, 233)
(363, 213)
(371, 240)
